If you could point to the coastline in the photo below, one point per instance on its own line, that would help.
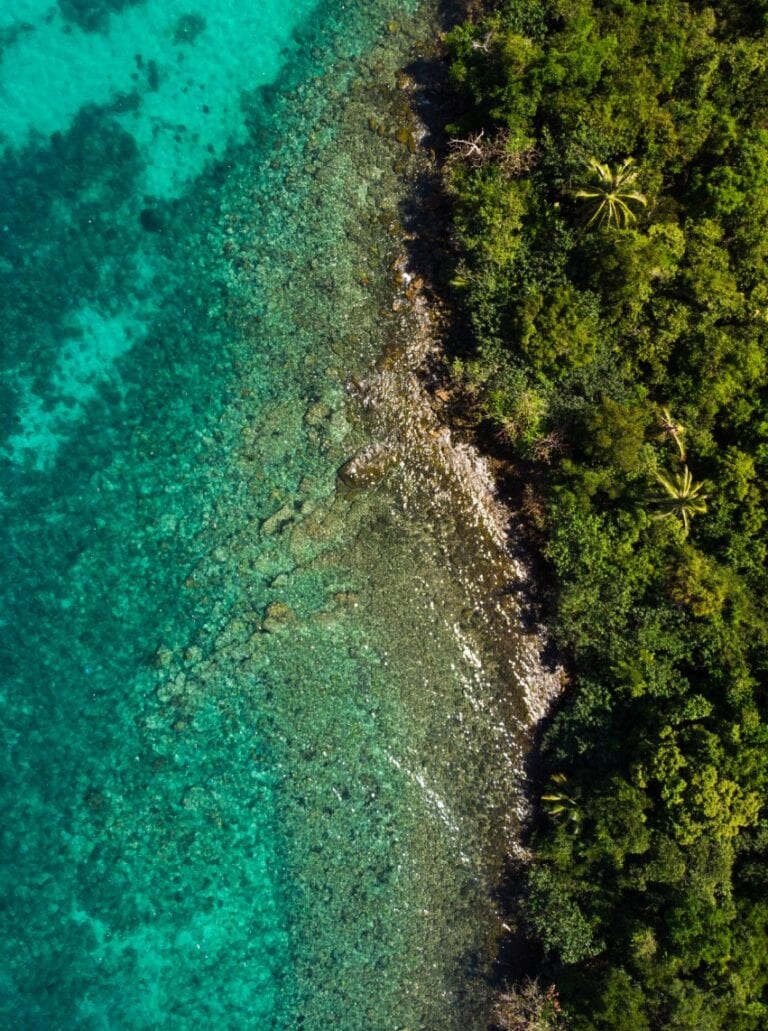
(426, 322)
(417, 421)
(470, 469)
(399, 461)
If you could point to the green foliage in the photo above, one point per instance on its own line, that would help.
(558, 330)
(556, 918)
(698, 583)
(615, 434)
(640, 349)
(493, 210)
(559, 804)
(622, 1004)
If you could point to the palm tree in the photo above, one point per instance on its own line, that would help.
(671, 428)
(561, 804)
(683, 497)
(611, 194)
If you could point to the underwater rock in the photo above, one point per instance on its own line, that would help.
(325, 617)
(368, 466)
(338, 427)
(188, 28)
(278, 521)
(277, 616)
(316, 413)
(313, 531)
(162, 658)
(196, 798)
(151, 220)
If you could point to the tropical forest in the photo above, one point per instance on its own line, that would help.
(608, 178)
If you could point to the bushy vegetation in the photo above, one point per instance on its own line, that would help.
(610, 199)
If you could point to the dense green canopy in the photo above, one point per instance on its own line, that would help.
(605, 309)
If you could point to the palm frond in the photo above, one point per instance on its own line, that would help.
(611, 194)
(683, 496)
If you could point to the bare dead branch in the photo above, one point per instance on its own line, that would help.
(469, 148)
(478, 44)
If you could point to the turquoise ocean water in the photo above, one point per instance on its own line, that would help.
(257, 752)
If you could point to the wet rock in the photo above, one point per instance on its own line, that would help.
(278, 521)
(316, 414)
(368, 466)
(338, 427)
(325, 617)
(277, 616)
(162, 658)
(413, 288)
(358, 386)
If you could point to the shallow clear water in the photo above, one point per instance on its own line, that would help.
(261, 725)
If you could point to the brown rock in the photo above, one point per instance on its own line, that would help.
(367, 467)
(277, 522)
(277, 616)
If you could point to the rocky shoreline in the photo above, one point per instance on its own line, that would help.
(413, 379)
(421, 377)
